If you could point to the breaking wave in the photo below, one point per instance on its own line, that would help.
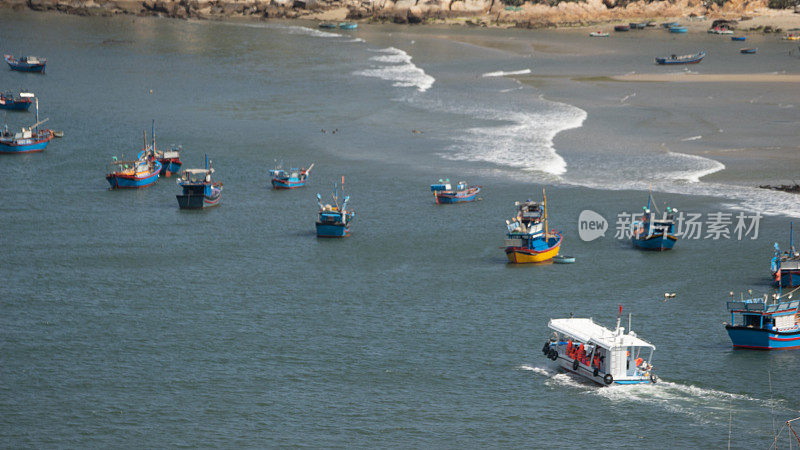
(503, 74)
(396, 66)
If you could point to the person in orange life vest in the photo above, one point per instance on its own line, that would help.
(581, 353)
(569, 348)
(596, 359)
(639, 362)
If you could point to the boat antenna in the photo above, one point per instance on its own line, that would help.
(37, 114)
(153, 132)
(335, 195)
(629, 322)
(205, 155)
(791, 237)
(544, 203)
(144, 136)
(619, 315)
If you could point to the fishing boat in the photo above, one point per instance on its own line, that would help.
(444, 194)
(334, 220)
(684, 59)
(139, 173)
(348, 25)
(622, 27)
(529, 240)
(668, 25)
(596, 353)
(29, 139)
(327, 25)
(764, 323)
(653, 233)
(748, 51)
(638, 25)
(791, 37)
(11, 103)
(199, 192)
(26, 63)
(289, 178)
(738, 38)
(785, 266)
(170, 160)
(598, 34)
(677, 29)
(720, 30)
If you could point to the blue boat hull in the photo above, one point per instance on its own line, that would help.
(191, 201)
(287, 184)
(118, 182)
(456, 199)
(332, 230)
(744, 337)
(169, 167)
(656, 242)
(25, 148)
(15, 106)
(677, 30)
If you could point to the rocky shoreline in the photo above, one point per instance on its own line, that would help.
(466, 12)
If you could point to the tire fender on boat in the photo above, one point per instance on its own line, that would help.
(608, 379)
(596, 371)
(653, 379)
(553, 354)
(575, 365)
(546, 348)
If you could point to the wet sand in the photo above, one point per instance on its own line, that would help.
(710, 78)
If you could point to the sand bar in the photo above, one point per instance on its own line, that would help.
(712, 78)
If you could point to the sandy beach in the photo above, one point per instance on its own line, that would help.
(689, 77)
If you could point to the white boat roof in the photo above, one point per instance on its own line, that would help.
(587, 331)
(198, 171)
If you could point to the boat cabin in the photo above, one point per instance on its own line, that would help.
(599, 354)
(652, 225)
(755, 313)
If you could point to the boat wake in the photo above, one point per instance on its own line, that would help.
(503, 74)
(397, 67)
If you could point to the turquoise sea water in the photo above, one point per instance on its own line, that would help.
(126, 322)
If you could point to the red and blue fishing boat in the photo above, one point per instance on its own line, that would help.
(764, 323)
(334, 220)
(785, 266)
(444, 193)
(11, 103)
(653, 233)
(26, 63)
(170, 160)
(199, 192)
(528, 239)
(28, 140)
(136, 174)
(684, 59)
(290, 178)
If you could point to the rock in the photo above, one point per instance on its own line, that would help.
(414, 14)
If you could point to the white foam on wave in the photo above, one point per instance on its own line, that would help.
(700, 167)
(397, 67)
(693, 138)
(296, 29)
(522, 139)
(503, 74)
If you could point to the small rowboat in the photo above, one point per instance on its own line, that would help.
(348, 25)
(738, 38)
(327, 25)
(564, 259)
(622, 27)
(748, 51)
(598, 34)
(677, 29)
(669, 25)
(26, 63)
(685, 59)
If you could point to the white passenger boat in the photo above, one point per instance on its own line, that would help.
(604, 356)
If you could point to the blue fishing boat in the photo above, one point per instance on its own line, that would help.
(289, 178)
(738, 38)
(139, 173)
(444, 194)
(327, 25)
(348, 25)
(29, 139)
(652, 233)
(528, 239)
(685, 59)
(334, 220)
(170, 160)
(785, 266)
(763, 323)
(669, 25)
(199, 192)
(622, 27)
(26, 63)
(677, 29)
(748, 51)
(11, 103)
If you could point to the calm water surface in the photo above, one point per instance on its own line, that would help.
(128, 322)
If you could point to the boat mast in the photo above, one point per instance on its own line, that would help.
(153, 132)
(544, 204)
(791, 237)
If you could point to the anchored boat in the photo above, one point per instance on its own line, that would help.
(348, 25)
(289, 179)
(528, 239)
(199, 191)
(26, 63)
(11, 103)
(443, 192)
(598, 34)
(334, 220)
(652, 233)
(685, 59)
(29, 139)
(601, 355)
(139, 173)
(748, 51)
(785, 267)
(765, 325)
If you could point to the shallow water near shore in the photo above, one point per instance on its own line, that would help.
(126, 320)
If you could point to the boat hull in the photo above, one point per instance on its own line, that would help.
(587, 372)
(120, 181)
(36, 146)
(445, 199)
(287, 184)
(656, 242)
(523, 255)
(11, 105)
(332, 230)
(759, 339)
(195, 201)
(25, 67)
(169, 166)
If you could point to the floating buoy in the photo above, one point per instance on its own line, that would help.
(564, 259)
